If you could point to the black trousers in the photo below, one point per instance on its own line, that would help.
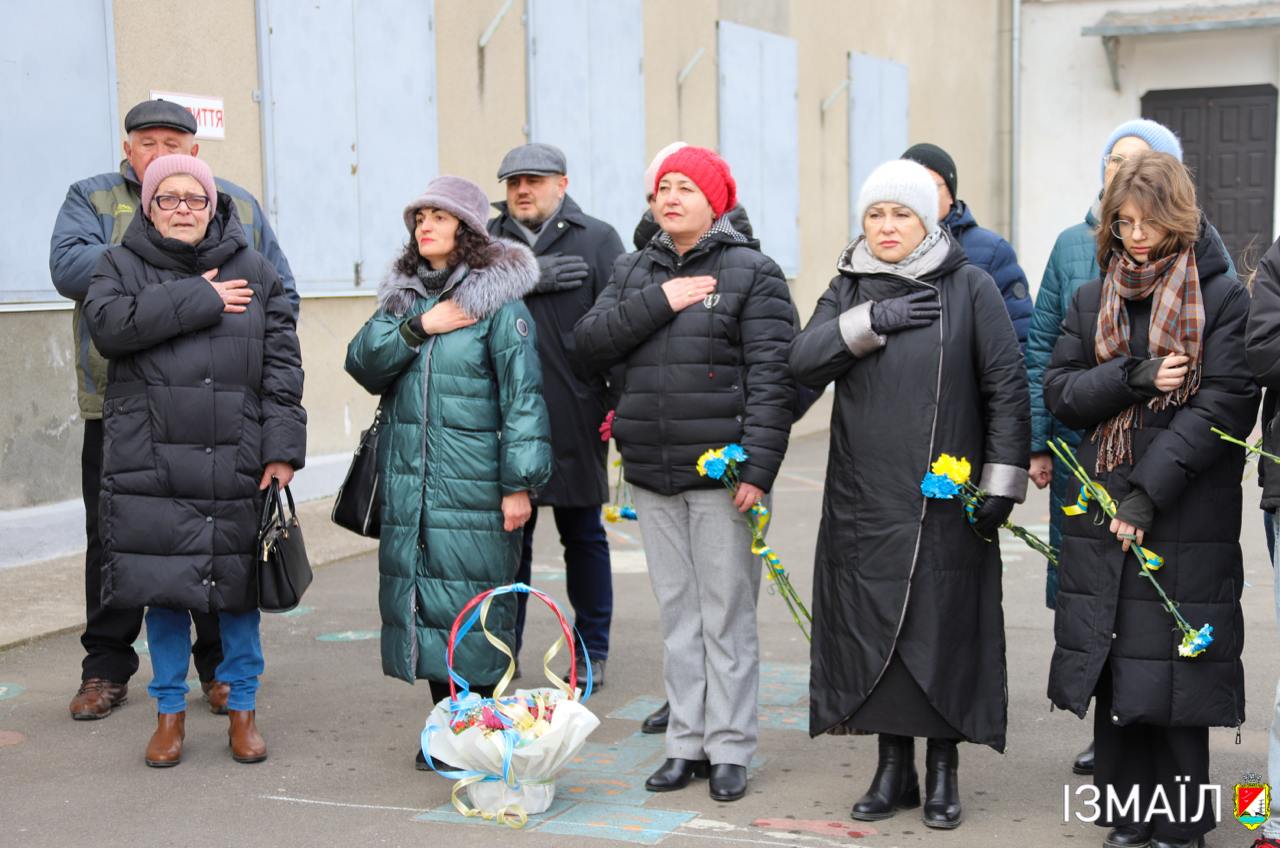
(1147, 756)
(109, 634)
(588, 575)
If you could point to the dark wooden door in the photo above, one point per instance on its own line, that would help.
(1229, 143)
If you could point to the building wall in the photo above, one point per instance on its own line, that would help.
(1069, 105)
(958, 96)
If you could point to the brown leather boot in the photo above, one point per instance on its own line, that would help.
(216, 693)
(247, 744)
(165, 747)
(96, 698)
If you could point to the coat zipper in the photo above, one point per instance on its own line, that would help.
(933, 432)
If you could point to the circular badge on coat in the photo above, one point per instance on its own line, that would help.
(522, 326)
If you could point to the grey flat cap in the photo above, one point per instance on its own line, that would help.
(536, 158)
(159, 113)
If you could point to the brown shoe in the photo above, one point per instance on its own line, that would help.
(96, 698)
(247, 744)
(165, 747)
(216, 693)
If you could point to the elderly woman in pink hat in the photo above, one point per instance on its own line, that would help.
(203, 412)
(700, 320)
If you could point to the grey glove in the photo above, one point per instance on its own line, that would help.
(919, 309)
(561, 272)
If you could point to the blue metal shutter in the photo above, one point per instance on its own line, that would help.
(350, 132)
(760, 134)
(586, 96)
(57, 83)
(879, 101)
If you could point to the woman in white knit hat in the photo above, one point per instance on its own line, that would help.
(908, 636)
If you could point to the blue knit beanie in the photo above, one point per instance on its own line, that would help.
(1160, 138)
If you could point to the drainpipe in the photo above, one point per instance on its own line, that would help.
(1015, 119)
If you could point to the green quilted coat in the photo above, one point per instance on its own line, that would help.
(464, 424)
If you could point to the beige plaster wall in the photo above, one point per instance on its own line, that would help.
(153, 43)
(337, 408)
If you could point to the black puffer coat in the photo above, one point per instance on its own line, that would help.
(578, 397)
(712, 374)
(1264, 358)
(198, 400)
(894, 571)
(1105, 608)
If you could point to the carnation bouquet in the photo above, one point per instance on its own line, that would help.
(722, 464)
(506, 751)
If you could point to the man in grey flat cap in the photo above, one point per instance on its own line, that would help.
(94, 216)
(575, 253)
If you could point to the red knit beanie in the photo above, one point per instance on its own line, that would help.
(709, 173)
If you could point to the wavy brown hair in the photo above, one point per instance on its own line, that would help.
(476, 250)
(1161, 187)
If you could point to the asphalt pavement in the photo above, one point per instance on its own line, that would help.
(342, 736)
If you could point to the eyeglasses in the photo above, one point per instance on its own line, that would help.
(1122, 228)
(1114, 159)
(170, 202)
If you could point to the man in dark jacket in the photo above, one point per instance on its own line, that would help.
(95, 216)
(575, 254)
(984, 248)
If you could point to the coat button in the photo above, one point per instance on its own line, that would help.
(1116, 719)
(208, 519)
(560, 226)
(1113, 635)
(208, 450)
(204, 582)
(208, 380)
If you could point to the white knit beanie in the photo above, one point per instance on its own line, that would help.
(903, 182)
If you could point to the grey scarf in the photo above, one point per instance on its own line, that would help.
(928, 256)
(433, 281)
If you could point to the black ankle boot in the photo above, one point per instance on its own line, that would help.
(896, 786)
(941, 786)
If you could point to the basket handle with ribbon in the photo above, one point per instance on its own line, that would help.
(477, 609)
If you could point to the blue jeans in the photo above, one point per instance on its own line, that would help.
(587, 572)
(169, 641)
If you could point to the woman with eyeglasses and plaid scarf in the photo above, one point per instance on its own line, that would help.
(1151, 356)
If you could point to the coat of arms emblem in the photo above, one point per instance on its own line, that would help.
(1252, 801)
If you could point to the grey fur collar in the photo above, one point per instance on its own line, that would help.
(480, 292)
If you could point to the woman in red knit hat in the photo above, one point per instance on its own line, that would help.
(701, 321)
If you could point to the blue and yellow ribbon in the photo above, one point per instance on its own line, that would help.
(1098, 494)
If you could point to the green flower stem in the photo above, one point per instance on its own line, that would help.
(1254, 449)
(971, 494)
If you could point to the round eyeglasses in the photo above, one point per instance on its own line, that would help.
(1123, 228)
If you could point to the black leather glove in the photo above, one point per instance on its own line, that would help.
(919, 309)
(561, 272)
(993, 512)
(1142, 376)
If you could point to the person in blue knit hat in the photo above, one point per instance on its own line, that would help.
(1071, 264)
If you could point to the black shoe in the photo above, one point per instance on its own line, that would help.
(728, 782)
(675, 774)
(896, 786)
(656, 721)
(1084, 761)
(597, 676)
(420, 763)
(941, 785)
(1129, 836)
(1162, 842)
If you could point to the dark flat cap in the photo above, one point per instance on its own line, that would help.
(536, 158)
(160, 113)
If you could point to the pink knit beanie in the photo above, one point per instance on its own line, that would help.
(164, 167)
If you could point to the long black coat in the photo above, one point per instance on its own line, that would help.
(711, 374)
(198, 400)
(1263, 350)
(1105, 609)
(894, 571)
(578, 397)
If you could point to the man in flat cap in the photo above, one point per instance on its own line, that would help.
(94, 216)
(575, 253)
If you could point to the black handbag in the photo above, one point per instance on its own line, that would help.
(358, 504)
(284, 572)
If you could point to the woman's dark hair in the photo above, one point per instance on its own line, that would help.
(1162, 188)
(474, 249)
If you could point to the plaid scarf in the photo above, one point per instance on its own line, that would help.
(1177, 326)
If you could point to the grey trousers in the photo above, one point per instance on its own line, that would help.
(707, 581)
